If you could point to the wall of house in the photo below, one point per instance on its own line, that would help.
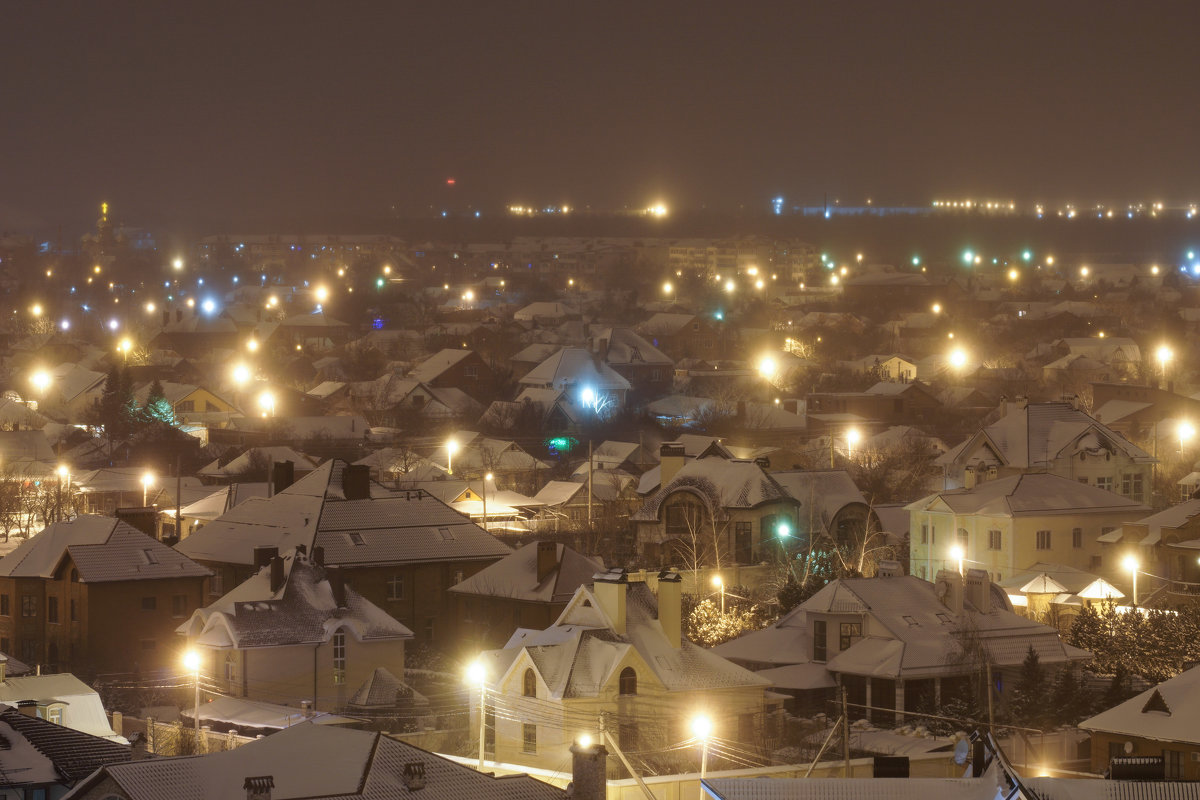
(1104, 743)
(123, 635)
(656, 542)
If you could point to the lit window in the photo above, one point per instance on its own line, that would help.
(339, 657)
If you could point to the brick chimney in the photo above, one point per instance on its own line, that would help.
(670, 612)
(948, 588)
(263, 555)
(547, 560)
(610, 588)
(889, 569)
(259, 788)
(978, 590)
(588, 780)
(671, 457)
(356, 482)
(276, 574)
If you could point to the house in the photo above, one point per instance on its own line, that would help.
(714, 507)
(189, 402)
(1166, 545)
(254, 461)
(528, 588)
(618, 649)
(883, 405)
(395, 401)
(590, 382)
(197, 513)
(315, 331)
(897, 368)
(683, 336)
(895, 642)
(314, 762)
(295, 631)
(41, 759)
(1004, 525)
(1137, 411)
(648, 370)
(60, 698)
(833, 507)
(400, 550)
(1159, 723)
(93, 594)
(464, 370)
(1050, 437)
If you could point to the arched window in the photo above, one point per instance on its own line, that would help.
(529, 686)
(628, 682)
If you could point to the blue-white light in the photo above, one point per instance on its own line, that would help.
(235, 279)
(587, 396)
(166, 284)
(112, 323)
(208, 306)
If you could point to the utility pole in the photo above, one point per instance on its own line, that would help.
(991, 720)
(590, 464)
(845, 735)
(831, 466)
(178, 494)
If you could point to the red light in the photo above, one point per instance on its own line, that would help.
(449, 181)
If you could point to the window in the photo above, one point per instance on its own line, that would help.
(529, 684)
(4, 644)
(995, 540)
(962, 538)
(925, 534)
(149, 603)
(185, 406)
(216, 584)
(628, 681)
(529, 738)
(471, 372)
(151, 556)
(230, 667)
(1096, 562)
(54, 715)
(74, 610)
(819, 634)
(429, 630)
(28, 605)
(851, 633)
(1137, 486)
(1105, 482)
(1173, 764)
(395, 587)
(446, 534)
(458, 577)
(1077, 537)
(178, 605)
(682, 518)
(52, 610)
(1043, 540)
(356, 539)
(339, 656)
(5, 611)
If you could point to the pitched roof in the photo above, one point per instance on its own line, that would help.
(103, 549)
(316, 762)
(394, 527)
(1033, 494)
(436, 364)
(73, 754)
(722, 483)
(1142, 715)
(574, 366)
(302, 611)
(516, 576)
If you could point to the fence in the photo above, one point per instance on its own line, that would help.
(176, 739)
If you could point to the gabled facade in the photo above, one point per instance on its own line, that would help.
(619, 650)
(1056, 438)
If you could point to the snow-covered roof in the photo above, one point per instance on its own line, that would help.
(103, 549)
(516, 576)
(246, 461)
(823, 492)
(82, 710)
(580, 654)
(1032, 494)
(1144, 716)
(315, 762)
(436, 364)
(39, 752)
(389, 527)
(574, 366)
(722, 484)
(303, 610)
(239, 712)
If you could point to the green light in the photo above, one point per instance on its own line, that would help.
(379, 283)
(916, 260)
(968, 257)
(784, 530)
(1027, 255)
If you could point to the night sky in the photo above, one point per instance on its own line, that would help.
(231, 114)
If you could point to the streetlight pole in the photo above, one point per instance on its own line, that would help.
(486, 478)
(451, 448)
(191, 661)
(1131, 564)
(720, 584)
(476, 673)
(702, 728)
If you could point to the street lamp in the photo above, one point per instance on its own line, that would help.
(451, 449)
(1186, 431)
(1131, 563)
(702, 729)
(147, 482)
(958, 554)
(720, 584)
(266, 401)
(241, 374)
(958, 358)
(477, 675)
(853, 437)
(191, 662)
(124, 347)
(669, 290)
(40, 380)
(1164, 355)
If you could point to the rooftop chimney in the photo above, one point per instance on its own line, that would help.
(28, 708)
(263, 555)
(259, 788)
(948, 586)
(283, 475)
(414, 775)
(671, 457)
(318, 556)
(547, 559)
(356, 482)
(588, 780)
(609, 588)
(979, 590)
(337, 585)
(276, 574)
(890, 569)
(670, 613)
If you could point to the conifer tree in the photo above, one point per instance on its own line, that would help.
(1030, 696)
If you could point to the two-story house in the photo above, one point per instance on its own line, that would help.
(96, 595)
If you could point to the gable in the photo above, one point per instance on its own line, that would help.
(1156, 703)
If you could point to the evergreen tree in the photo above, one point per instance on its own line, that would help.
(1118, 690)
(158, 408)
(1030, 696)
(1069, 699)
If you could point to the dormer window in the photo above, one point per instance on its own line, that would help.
(628, 682)
(529, 684)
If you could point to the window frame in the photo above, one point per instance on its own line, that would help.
(338, 643)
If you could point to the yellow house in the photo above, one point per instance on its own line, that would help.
(615, 657)
(294, 632)
(1003, 526)
(188, 400)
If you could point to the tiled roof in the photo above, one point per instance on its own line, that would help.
(314, 762)
(722, 483)
(103, 549)
(1034, 494)
(515, 576)
(74, 754)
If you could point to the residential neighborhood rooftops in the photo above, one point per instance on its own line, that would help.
(1029, 494)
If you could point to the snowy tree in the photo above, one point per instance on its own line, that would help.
(707, 626)
(157, 407)
(1030, 695)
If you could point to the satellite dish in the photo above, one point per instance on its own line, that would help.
(962, 751)
(1128, 748)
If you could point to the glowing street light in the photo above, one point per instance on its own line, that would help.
(1131, 563)
(125, 346)
(147, 482)
(241, 374)
(451, 449)
(36, 309)
(1164, 355)
(853, 437)
(958, 358)
(40, 380)
(252, 345)
(936, 308)
(720, 584)
(958, 554)
(486, 478)
(669, 290)
(477, 676)
(177, 264)
(266, 401)
(1186, 431)
(321, 293)
(1013, 275)
(729, 286)
(702, 729)
(191, 662)
(1084, 271)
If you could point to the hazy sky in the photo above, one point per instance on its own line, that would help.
(224, 114)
